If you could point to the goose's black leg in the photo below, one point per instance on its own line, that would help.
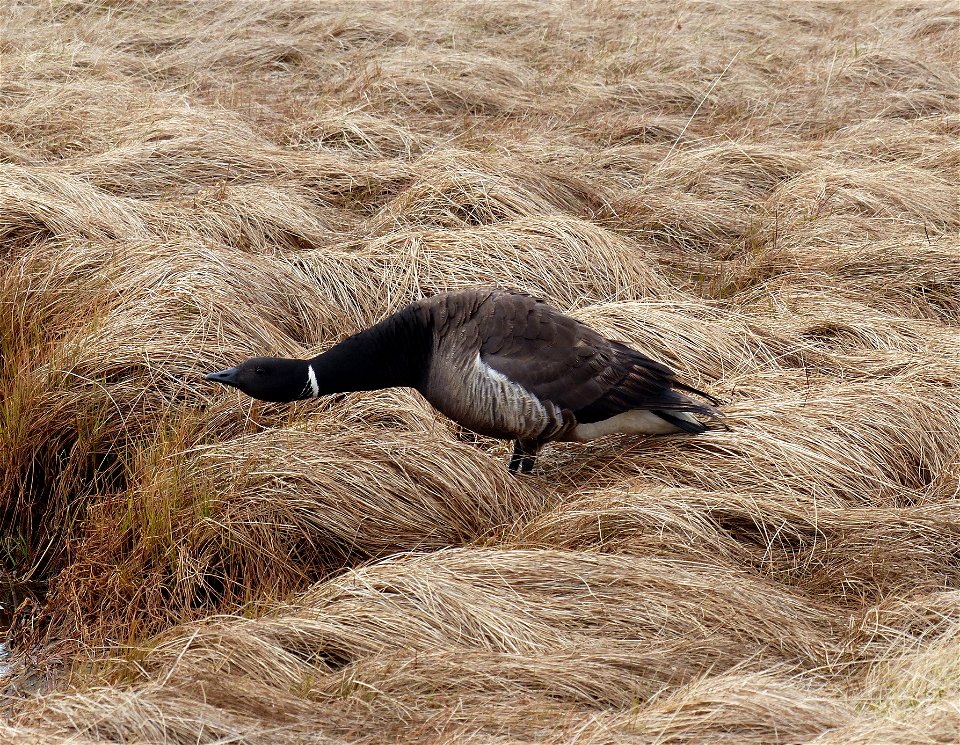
(517, 456)
(530, 451)
(526, 466)
(524, 456)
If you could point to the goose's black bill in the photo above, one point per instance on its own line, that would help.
(227, 377)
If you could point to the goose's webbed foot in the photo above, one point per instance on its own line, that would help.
(524, 456)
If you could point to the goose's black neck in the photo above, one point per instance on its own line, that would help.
(394, 352)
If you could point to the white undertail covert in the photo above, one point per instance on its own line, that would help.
(635, 422)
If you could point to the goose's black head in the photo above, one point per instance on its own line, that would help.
(270, 379)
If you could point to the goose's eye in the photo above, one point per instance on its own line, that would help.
(259, 370)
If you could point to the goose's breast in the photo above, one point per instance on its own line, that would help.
(484, 400)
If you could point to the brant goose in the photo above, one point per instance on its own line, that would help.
(501, 363)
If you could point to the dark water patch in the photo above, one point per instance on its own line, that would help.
(13, 593)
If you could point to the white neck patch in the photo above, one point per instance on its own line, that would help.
(312, 377)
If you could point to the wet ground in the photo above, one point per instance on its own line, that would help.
(13, 592)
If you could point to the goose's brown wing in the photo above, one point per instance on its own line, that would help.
(561, 360)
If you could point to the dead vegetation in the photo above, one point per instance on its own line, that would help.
(764, 196)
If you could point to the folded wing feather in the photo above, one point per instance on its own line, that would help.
(561, 360)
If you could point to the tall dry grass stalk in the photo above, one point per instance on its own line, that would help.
(763, 196)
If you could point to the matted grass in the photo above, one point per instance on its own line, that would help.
(763, 196)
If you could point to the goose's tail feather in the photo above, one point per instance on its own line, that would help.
(684, 412)
(648, 385)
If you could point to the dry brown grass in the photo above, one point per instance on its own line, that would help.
(762, 195)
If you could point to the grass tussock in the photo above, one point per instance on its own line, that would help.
(763, 197)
